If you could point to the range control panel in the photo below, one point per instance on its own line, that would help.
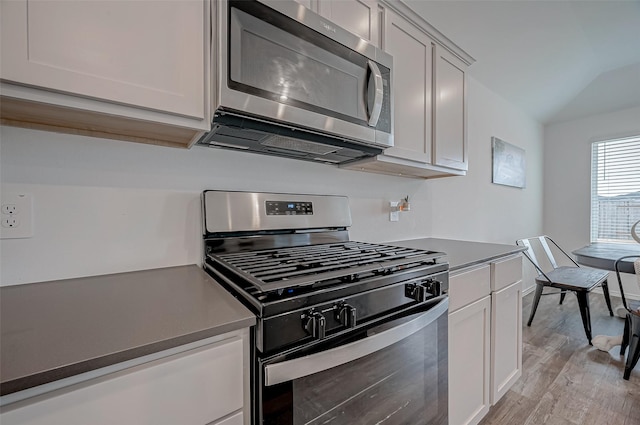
(289, 208)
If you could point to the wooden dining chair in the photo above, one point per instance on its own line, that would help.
(631, 335)
(565, 278)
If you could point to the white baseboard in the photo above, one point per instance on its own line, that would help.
(527, 291)
(615, 292)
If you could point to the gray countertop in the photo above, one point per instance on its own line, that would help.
(53, 330)
(462, 254)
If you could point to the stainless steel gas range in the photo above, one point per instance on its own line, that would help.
(347, 332)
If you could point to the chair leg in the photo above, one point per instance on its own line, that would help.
(536, 300)
(562, 295)
(634, 345)
(625, 335)
(583, 303)
(632, 356)
(605, 289)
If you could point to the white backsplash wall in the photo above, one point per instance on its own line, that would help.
(103, 206)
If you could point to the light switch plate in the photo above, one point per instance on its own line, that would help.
(16, 215)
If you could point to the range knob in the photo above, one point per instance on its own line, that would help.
(422, 291)
(345, 314)
(315, 324)
(434, 287)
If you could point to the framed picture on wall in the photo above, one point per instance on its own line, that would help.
(508, 164)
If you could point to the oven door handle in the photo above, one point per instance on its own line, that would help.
(325, 360)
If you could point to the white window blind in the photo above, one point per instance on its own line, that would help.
(615, 189)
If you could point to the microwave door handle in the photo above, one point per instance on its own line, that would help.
(328, 359)
(375, 93)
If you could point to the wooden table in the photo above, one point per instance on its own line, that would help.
(604, 255)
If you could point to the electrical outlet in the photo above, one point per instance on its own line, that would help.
(9, 209)
(17, 216)
(10, 222)
(394, 215)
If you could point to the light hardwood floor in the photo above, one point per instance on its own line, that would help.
(564, 380)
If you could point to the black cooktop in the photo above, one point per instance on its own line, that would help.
(285, 269)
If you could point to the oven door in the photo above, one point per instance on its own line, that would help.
(395, 372)
(279, 65)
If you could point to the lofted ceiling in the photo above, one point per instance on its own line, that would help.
(557, 60)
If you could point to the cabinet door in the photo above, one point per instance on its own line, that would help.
(309, 4)
(148, 54)
(412, 52)
(199, 386)
(236, 419)
(469, 351)
(506, 339)
(450, 145)
(469, 285)
(361, 17)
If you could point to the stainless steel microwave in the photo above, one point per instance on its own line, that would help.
(291, 83)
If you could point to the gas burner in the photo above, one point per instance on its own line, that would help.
(295, 267)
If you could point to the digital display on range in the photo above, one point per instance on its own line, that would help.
(289, 208)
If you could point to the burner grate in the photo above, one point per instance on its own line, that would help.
(281, 268)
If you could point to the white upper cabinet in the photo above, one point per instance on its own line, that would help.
(148, 56)
(429, 88)
(140, 53)
(450, 147)
(412, 52)
(309, 4)
(361, 17)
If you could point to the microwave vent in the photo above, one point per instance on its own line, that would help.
(239, 132)
(290, 144)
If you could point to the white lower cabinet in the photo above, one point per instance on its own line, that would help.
(469, 362)
(485, 337)
(201, 386)
(506, 325)
(469, 344)
(506, 339)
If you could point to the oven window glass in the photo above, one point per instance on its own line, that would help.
(405, 383)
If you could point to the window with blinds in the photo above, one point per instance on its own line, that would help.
(615, 189)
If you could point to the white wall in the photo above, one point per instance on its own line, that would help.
(567, 171)
(103, 206)
(567, 174)
(472, 207)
